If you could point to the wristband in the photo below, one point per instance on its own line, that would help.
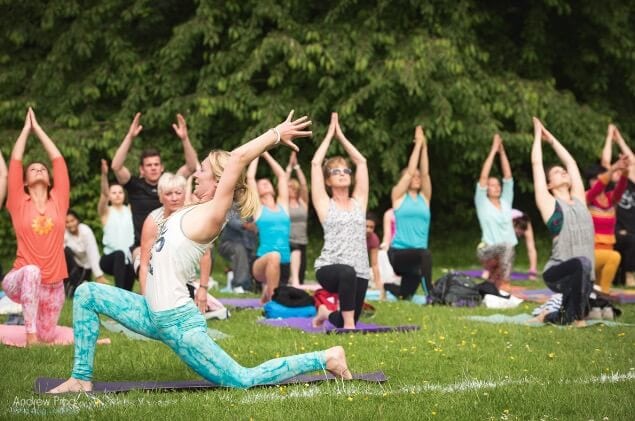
(277, 132)
(203, 286)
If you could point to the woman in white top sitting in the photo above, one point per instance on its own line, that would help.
(166, 312)
(81, 252)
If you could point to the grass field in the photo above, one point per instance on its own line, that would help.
(452, 368)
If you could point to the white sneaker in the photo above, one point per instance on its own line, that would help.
(595, 314)
(220, 314)
(238, 290)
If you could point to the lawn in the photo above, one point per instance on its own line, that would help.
(453, 368)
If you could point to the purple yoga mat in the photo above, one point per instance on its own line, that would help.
(241, 302)
(304, 323)
(515, 276)
(43, 384)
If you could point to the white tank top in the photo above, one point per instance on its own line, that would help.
(173, 262)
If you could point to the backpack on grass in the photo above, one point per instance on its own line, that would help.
(455, 289)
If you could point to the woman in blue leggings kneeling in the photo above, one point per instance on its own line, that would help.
(166, 311)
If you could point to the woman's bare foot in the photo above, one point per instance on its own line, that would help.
(321, 316)
(72, 385)
(31, 339)
(579, 323)
(539, 318)
(336, 363)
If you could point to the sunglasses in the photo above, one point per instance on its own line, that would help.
(338, 171)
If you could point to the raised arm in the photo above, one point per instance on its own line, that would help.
(607, 150)
(424, 166)
(544, 200)
(121, 171)
(102, 205)
(401, 188)
(20, 144)
(283, 185)
(252, 169)
(304, 190)
(360, 193)
(505, 167)
(532, 254)
(191, 160)
(577, 185)
(626, 151)
(387, 229)
(214, 211)
(489, 161)
(3, 179)
(319, 196)
(46, 141)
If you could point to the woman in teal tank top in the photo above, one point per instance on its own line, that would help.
(408, 253)
(271, 266)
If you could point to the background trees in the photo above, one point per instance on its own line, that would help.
(464, 69)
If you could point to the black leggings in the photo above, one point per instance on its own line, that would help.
(343, 280)
(572, 279)
(412, 265)
(115, 264)
(302, 249)
(76, 273)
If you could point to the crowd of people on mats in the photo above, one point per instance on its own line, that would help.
(159, 228)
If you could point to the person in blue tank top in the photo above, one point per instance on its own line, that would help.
(408, 252)
(273, 255)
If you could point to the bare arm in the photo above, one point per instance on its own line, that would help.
(20, 144)
(121, 172)
(387, 222)
(374, 265)
(304, 190)
(505, 167)
(360, 193)
(424, 169)
(102, 205)
(544, 200)
(577, 185)
(283, 185)
(213, 212)
(251, 173)
(489, 161)
(319, 196)
(191, 159)
(148, 235)
(4, 173)
(626, 151)
(46, 141)
(532, 254)
(401, 188)
(607, 151)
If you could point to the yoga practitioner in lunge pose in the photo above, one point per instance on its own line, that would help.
(561, 200)
(166, 312)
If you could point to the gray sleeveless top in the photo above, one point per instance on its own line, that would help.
(576, 238)
(299, 217)
(345, 239)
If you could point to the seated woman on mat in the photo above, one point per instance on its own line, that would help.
(342, 266)
(166, 312)
(38, 212)
(561, 200)
(408, 252)
(494, 211)
(271, 267)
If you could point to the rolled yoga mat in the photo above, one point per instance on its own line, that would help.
(44, 384)
(514, 276)
(303, 323)
(241, 302)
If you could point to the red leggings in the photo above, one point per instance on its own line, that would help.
(41, 303)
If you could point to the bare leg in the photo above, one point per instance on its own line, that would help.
(321, 317)
(294, 280)
(349, 319)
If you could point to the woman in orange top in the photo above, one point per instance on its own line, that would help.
(38, 213)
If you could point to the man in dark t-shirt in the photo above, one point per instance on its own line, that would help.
(142, 190)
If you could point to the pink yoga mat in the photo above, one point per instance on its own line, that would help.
(16, 336)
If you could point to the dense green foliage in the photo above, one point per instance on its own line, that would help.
(464, 69)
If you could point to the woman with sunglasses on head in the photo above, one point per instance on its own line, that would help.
(166, 312)
(342, 266)
(408, 253)
(38, 213)
(561, 200)
(271, 267)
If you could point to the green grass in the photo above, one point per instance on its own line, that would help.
(451, 369)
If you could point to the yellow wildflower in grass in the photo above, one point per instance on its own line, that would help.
(552, 355)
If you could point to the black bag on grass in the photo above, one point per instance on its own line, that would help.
(457, 290)
(292, 297)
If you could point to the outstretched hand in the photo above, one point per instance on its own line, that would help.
(135, 127)
(293, 159)
(34, 123)
(617, 136)
(291, 129)
(419, 135)
(537, 128)
(497, 143)
(332, 125)
(104, 167)
(181, 128)
(610, 133)
(27, 121)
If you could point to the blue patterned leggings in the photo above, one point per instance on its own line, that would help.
(183, 329)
